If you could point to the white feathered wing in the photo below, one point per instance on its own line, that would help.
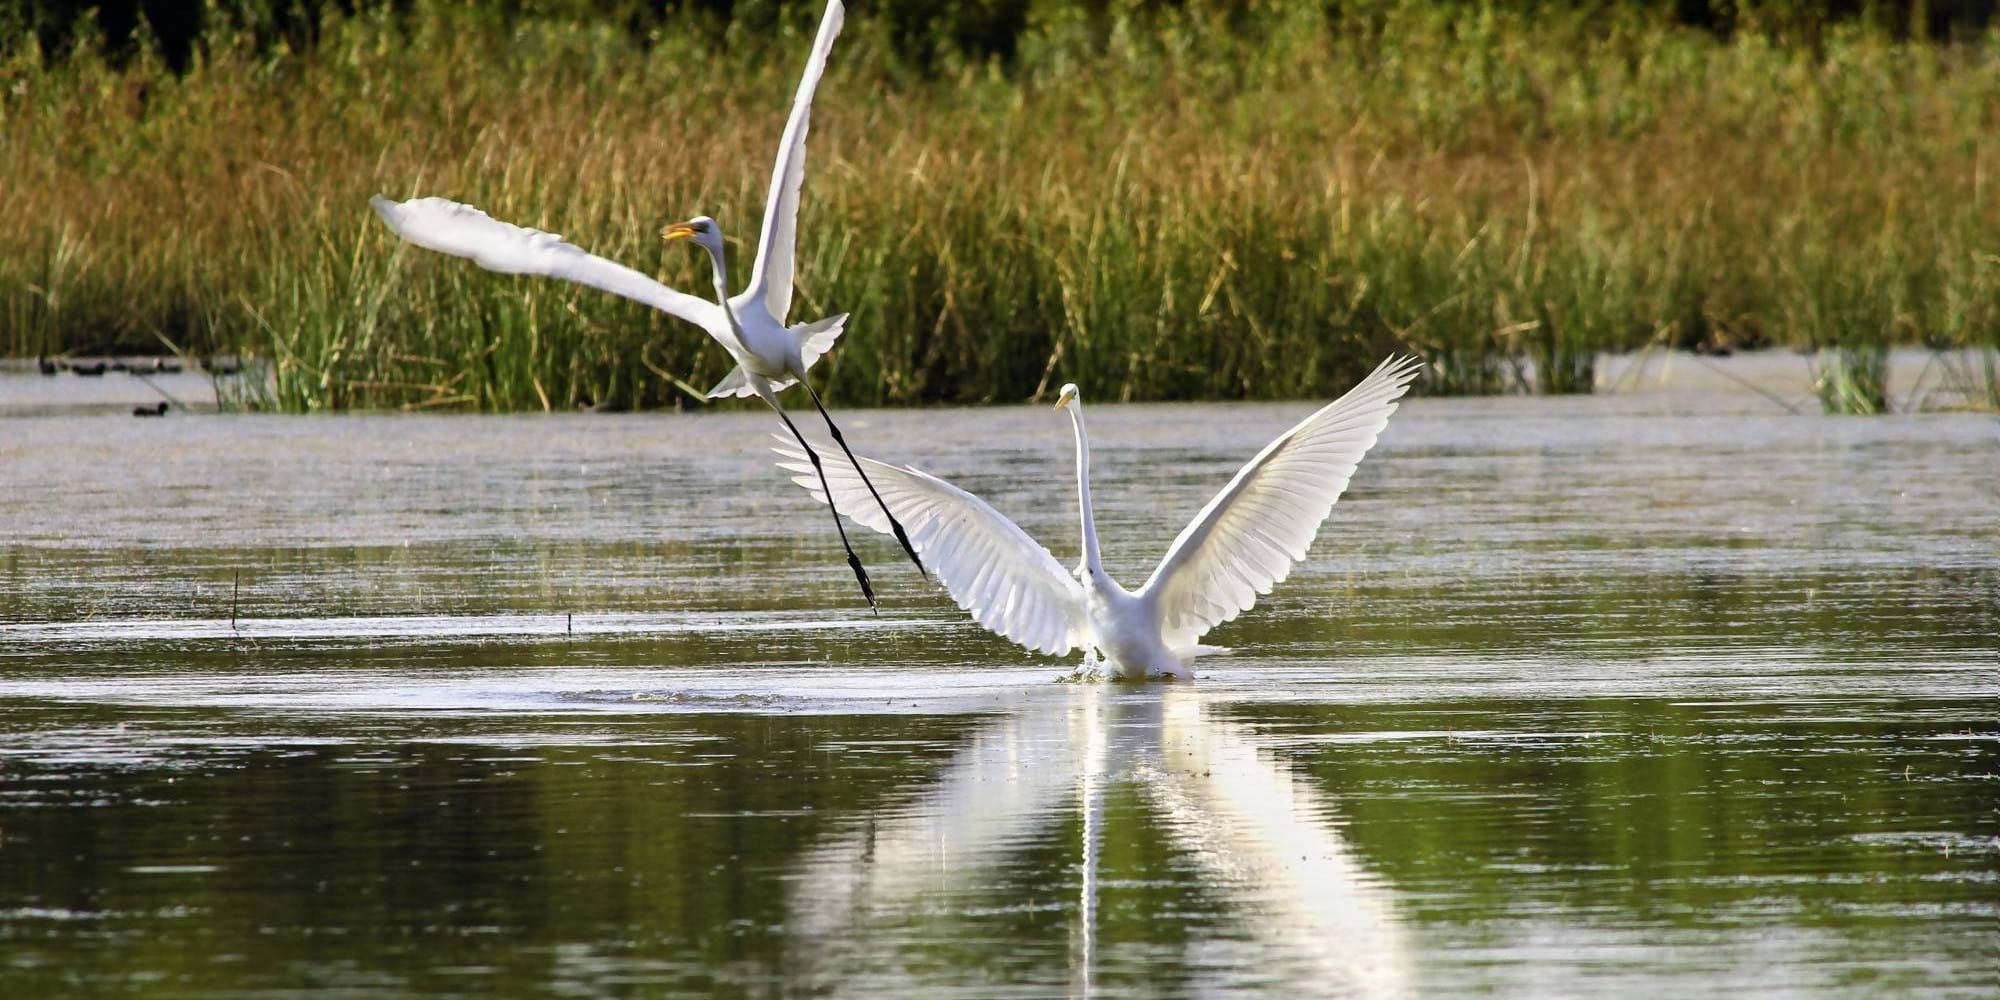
(1005, 579)
(463, 231)
(772, 275)
(1245, 541)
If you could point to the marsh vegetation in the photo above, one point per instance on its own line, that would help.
(1214, 201)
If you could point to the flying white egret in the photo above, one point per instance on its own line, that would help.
(1240, 545)
(750, 325)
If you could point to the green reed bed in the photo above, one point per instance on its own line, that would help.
(1161, 206)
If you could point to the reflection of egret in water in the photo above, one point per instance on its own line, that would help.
(1197, 861)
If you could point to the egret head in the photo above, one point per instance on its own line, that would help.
(704, 231)
(1066, 396)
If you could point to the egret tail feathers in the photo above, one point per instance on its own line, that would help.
(737, 383)
(817, 337)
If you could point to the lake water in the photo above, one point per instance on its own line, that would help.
(1658, 693)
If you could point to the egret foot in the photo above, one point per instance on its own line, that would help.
(1088, 672)
(861, 577)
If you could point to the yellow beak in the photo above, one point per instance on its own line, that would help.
(677, 231)
(1065, 400)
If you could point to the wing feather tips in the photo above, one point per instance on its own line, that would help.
(418, 220)
(387, 209)
(1247, 540)
(818, 337)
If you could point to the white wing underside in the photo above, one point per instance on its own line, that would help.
(773, 271)
(1005, 579)
(1245, 541)
(460, 230)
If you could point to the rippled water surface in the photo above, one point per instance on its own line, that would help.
(1650, 694)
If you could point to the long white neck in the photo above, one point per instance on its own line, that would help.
(722, 289)
(1090, 558)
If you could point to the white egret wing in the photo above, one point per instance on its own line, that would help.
(772, 275)
(1008, 581)
(1264, 840)
(463, 231)
(1245, 541)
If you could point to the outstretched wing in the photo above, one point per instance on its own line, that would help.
(1009, 583)
(463, 231)
(1245, 541)
(773, 271)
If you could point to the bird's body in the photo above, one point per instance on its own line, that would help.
(1236, 549)
(1123, 630)
(770, 350)
(770, 356)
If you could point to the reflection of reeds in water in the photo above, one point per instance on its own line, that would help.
(1973, 378)
(1179, 206)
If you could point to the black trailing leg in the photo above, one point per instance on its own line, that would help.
(853, 561)
(894, 525)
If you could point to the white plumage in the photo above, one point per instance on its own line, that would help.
(463, 231)
(752, 327)
(1238, 547)
(1245, 541)
(770, 356)
(1009, 582)
(771, 279)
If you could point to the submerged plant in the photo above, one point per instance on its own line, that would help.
(1851, 380)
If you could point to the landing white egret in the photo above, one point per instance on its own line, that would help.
(750, 325)
(1240, 545)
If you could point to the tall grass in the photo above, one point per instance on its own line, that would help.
(1164, 205)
